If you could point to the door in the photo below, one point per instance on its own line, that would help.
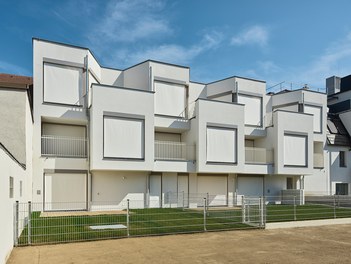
(65, 191)
(183, 191)
(216, 188)
(155, 190)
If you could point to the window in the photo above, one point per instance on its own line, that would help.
(11, 192)
(170, 99)
(295, 150)
(289, 183)
(253, 109)
(342, 161)
(123, 137)
(62, 84)
(341, 188)
(221, 145)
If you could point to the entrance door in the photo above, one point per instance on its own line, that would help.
(183, 190)
(155, 183)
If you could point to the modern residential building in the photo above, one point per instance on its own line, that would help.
(15, 152)
(148, 133)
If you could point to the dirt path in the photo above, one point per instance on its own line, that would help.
(327, 244)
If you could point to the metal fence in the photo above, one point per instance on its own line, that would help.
(34, 226)
(176, 213)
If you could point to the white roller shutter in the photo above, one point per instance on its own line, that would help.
(250, 186)
(155, 188)
(65, 191)
(253, 109)
(221, 144)
(63, 84)
(295, 150)
(316, 111)
(123, 137)
(170, 99)
(215, 186)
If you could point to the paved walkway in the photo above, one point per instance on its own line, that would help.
(327, 244)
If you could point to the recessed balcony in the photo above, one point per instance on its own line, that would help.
(63, 146)
(174, 151)
(255, 155)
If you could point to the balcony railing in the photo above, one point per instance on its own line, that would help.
(62, 146)
(318, 160)
(258, 155)
(168, 150)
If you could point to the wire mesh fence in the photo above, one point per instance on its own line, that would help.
(35, 226)
(175, 213)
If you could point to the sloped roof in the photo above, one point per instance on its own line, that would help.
(15, 81)
(337, 134)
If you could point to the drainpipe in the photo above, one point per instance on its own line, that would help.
(86, 62)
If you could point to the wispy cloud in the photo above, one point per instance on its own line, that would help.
(129, 21)
(10, 68)
(255, 35)
(173, 53)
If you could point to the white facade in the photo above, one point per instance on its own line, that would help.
(147, 132)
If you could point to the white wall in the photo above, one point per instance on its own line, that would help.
(9, 167)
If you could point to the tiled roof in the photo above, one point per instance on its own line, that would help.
(337, 133)
(16, 81)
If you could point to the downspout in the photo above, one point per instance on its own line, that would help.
(89, 191)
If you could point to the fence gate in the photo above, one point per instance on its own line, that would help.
(254, 211)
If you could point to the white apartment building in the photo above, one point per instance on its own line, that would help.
(148, 133)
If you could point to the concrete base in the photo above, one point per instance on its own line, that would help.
(321, 222)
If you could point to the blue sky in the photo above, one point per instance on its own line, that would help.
(293, 41)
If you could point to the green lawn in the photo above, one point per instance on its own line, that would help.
(156, 221)
(142, 222)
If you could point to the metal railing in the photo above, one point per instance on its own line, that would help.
(62, 146)
(169, 150)
(318, 160)
(258, 155)
(38, 227)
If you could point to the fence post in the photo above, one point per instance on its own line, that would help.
(205, 205)
(243, 209)
(334, 206)
(207, 200)
(128, 217)
(261, 212)
(16, 222)
(294, 208)
(183, 200)
(29, 222)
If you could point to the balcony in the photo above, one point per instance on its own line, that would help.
(62, 146)
(318, 160)
(258, 155)
(174, 151)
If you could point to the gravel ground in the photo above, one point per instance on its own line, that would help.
(326, 244)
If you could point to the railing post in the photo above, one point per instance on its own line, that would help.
(16, 223)
(29, 222)
(128, 224)
(243, 209)
(294, 208)
(205, 205)
(334, 206)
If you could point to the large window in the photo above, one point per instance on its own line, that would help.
(123, 137)
(221, 145)
(63, 84)
(170, 99)
(316, 111)
(253, 109)
(295, 150)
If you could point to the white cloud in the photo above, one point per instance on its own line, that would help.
(173, 53)
(129, 21)
(255, 35)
